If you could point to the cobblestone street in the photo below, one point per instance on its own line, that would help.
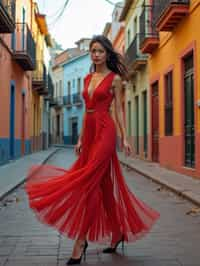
(174, 240)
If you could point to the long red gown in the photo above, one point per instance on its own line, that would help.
(90, 198)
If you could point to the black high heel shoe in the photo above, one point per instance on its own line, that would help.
(73, 261)
(113, 250)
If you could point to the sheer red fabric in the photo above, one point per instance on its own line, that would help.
(90, 198)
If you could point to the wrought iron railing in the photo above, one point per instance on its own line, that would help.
(9, 6)
(23, 42)
(40, 73)
(147, 24)
(161, 5)
(67, 100)
(133, 52)
(77, 98)
(59, 100)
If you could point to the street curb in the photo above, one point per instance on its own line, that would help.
(163, 183)
(21, 182)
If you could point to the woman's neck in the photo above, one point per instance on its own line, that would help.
(101, 69)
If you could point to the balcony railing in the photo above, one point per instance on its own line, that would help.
(77, 100)
(58, 101)
(23, 47)
(67, 101)
(168, 13)
(7, 16)
(134, 58)
(39, 79)
(149, 38)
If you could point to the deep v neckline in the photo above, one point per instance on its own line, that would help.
(98, 85)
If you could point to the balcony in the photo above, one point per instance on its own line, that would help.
(67, 101)
(169, 13)
(7, 16)
(149, 38)
(77, 100)
(23, 47)
(58, 102)
(39, 80)
(134, 58)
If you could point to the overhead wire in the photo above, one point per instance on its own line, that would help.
(60, 13)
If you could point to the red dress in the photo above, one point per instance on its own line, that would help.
(90, 198)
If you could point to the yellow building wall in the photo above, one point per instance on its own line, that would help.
(37, 100)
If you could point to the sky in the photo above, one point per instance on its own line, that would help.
(82, 18)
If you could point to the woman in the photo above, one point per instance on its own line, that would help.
(90, 200)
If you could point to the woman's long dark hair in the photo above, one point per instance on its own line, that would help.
(115, 61)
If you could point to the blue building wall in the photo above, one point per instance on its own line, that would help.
(5, 148)
(75, 68)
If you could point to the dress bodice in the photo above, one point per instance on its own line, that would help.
(102, 96)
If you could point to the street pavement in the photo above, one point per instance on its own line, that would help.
(185, 186)
(14, 173)
(173, 241)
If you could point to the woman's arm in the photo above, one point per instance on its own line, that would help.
(117, 87)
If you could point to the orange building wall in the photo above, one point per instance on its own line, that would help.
(168, 56)
(11, 71)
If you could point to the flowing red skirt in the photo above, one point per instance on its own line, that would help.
(90, 199)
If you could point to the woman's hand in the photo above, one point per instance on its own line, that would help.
(78, 147)
(127, 147)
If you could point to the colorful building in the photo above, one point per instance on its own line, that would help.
(39, 79)
(75, 69)
(57, 101)
(137, 92)
(17, 63)
(174, 46)
(114, 31)
(17, 59)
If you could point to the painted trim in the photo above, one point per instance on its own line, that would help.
(184, 53)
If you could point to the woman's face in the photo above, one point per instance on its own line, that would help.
(98, 53)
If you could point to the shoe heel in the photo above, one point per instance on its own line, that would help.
(84, 250)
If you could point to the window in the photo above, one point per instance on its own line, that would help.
(60, 88)
(79, 85)
(68, 87)
(129, 118)
(169, 104)
(128, 37)
(56, 92)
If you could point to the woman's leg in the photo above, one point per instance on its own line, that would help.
(78, 248)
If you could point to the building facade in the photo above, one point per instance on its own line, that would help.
(75, 70)
(18, 29)
(39, 78)
(175, 87)
(137, 93)
(17, 59)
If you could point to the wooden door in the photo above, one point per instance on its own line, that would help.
(145, 122)
(189, 112)
(12, 122)
(137, 123)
